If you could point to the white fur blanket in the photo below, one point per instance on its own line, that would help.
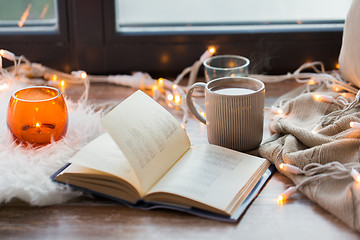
(25, 171)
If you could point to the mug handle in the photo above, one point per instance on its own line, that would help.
(190, 103)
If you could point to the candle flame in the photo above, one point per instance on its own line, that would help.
(37, 125)
(62, 83)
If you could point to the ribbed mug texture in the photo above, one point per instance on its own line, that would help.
(235, 121)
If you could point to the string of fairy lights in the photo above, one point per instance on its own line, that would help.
(346, 98)
(317, 171)
(173, 94)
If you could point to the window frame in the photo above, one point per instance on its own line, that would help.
(271, 50)
(87, 40)
(42, 45)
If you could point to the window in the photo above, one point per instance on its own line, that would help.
(227, 15)
(36, 29)
(163, 37)
(32, 15)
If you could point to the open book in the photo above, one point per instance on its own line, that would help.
(145, 159)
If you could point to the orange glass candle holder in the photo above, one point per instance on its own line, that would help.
(37, 115)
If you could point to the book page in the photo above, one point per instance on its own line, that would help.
(148, 135)
(99, 182)
(211, 175)
(103, 154)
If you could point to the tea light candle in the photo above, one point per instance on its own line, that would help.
(39, 132)
(37, 115)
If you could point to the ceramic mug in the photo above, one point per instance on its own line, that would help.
(234, 110)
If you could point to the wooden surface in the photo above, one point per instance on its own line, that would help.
(95, 218)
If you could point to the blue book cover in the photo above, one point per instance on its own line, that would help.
(190, 210)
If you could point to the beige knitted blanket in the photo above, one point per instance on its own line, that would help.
(295, 142)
